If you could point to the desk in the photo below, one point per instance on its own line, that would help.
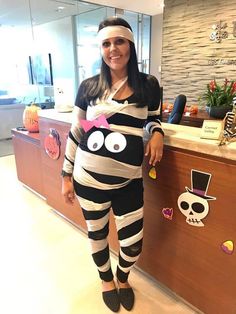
(195, 120)
(186, 259)
(28, 159)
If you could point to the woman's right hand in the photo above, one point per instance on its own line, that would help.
(68, 190)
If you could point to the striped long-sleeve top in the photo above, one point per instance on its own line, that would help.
(108, 152)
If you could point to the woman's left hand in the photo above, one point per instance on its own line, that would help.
(155, 148)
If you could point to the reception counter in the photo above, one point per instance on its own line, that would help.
(189, 226)
(176, 136)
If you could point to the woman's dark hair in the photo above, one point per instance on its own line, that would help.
(104, 81)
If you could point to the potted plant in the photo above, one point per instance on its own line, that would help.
(218, 98)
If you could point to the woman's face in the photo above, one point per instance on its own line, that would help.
(116, 53)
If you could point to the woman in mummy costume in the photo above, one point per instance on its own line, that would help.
(104, 154)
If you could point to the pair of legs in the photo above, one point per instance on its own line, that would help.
(127, 206)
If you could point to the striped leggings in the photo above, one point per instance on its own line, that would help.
(127, 207)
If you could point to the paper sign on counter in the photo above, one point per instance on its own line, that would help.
(212, 129)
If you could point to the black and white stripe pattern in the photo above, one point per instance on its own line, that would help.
(228, 131)
(127, 206)
(105, 180)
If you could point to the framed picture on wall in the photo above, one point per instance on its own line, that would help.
(41, 65)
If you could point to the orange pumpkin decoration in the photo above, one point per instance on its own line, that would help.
(194, 109)
(31, 119)
(164, 106)
(170, 107)
(52, 144)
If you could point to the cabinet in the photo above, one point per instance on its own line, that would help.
(28, 159)
(51, 172)
(188, 260)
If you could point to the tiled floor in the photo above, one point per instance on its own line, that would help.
(46, 266)
(6, 147)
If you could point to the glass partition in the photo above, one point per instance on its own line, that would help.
(52, 57)
(52, 47)
(141, 25)
(145, 39)
(88, 53)
(16, 41)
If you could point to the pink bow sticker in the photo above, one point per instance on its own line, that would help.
(100, 121)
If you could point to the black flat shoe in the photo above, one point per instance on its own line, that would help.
(127, 298)
(111, 299)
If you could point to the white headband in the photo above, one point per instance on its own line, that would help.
(115, 31)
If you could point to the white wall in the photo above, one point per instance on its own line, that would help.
(156, 46)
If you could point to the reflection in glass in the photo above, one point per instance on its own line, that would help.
(88, 52)
(68, 36)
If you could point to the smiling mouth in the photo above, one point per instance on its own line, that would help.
(115, 58)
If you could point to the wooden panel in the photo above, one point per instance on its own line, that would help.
(186, 259)
(52, 180)
(52, 173)
(28, 159)
(189, 259)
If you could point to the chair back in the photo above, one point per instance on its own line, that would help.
(178, 109)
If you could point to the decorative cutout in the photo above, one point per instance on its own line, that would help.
(31, 118)
(228, 247)
(152, 173)
(115, 142)
(229, 133)
(52, 144)
(100, 121)
(193, 204)
(219, 32)
(168, 213)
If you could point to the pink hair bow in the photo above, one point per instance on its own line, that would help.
(100, 121)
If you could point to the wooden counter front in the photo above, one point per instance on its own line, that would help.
(52, 173)
(28, 159)
(188, 259)
(51, 170)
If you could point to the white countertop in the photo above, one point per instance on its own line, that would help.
(55, 115)
(186, 137)
(178, 136)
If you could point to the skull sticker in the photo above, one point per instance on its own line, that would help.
(193, 204)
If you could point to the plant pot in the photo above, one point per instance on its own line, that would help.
(218, 112)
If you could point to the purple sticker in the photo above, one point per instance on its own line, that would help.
(168, 213)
